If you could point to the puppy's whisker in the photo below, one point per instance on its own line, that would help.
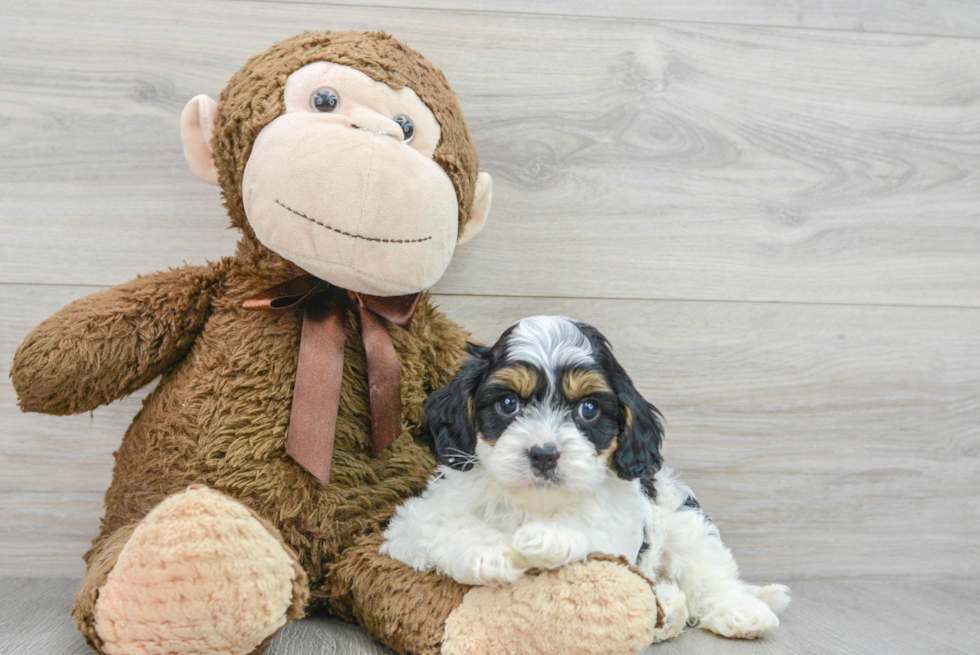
(463, 457)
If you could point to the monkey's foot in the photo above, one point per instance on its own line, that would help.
(201, 574)
(597, 608)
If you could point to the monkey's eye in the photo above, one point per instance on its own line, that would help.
(588, 411)
(408, 127)
(325, 100)
(509, 405)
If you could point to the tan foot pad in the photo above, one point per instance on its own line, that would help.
(598, 608)
(200, 575)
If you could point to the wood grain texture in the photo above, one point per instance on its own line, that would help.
(631, 159)
(829, 431)
(936, 17)
(825, 441)
(46, 533)
(73, 451)
(866, 617)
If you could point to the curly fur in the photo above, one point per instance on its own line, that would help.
(253, 99)
(220, 412)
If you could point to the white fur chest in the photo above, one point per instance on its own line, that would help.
(611, 518)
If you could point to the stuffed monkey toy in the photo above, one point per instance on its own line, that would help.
(254, 484)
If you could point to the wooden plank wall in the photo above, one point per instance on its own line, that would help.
(771, 208)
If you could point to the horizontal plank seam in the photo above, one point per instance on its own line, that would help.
(748, 301)
(612, 18)
(712, 300)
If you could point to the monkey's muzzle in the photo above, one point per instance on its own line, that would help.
(361, 210)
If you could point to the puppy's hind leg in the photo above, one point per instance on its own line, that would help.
(707, 573)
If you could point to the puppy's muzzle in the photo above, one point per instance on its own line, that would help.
(544, 459)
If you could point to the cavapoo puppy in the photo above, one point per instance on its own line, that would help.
(548, 454)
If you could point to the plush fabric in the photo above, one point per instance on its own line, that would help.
(377, 176)
(196, 130)
(253, 99)
(599, 608)
(110, 344)
(202, 485)
(220, 413)
(381, 98)
(200, 572)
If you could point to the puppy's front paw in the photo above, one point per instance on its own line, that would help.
(742, 617)
(545, 547)
(673, 602)
(494, 566)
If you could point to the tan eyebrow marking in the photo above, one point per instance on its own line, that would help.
(580, 383)
(522, 379)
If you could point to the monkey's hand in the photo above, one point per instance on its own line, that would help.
(111, 343)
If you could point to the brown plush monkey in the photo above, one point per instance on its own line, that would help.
(343, 156)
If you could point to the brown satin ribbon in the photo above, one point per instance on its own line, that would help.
(320, 368)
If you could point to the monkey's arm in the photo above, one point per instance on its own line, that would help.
(111, 343)
(576, 609)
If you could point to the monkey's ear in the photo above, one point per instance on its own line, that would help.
(481, 207)
(449, 420)
(196, 129)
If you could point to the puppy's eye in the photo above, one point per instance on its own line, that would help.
(408, 127)
(325, 100)
(508, 405)
(588, 411)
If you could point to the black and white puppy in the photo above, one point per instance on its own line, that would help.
(548, 454)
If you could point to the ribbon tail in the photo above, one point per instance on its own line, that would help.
(384, 380)
(316, 393)
(288, 294)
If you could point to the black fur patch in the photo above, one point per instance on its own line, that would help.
(448, 424)
(647, 484)
(641, 428)
(692, 503)
(492, 423)
(468, 405)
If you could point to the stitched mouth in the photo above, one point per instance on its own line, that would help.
(348, 234)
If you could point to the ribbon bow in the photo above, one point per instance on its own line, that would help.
(320, 369)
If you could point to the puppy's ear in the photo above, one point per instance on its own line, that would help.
(449, 419)
(641, 428)
(641, 433)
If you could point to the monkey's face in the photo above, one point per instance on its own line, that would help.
(343, 183)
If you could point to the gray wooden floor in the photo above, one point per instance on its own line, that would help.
(771, 207)
(904, 616)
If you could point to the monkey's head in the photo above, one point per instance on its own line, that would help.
(347, 154)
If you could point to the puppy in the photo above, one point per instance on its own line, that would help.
(548, 454)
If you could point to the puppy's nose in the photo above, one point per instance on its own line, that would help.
(544, 458)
